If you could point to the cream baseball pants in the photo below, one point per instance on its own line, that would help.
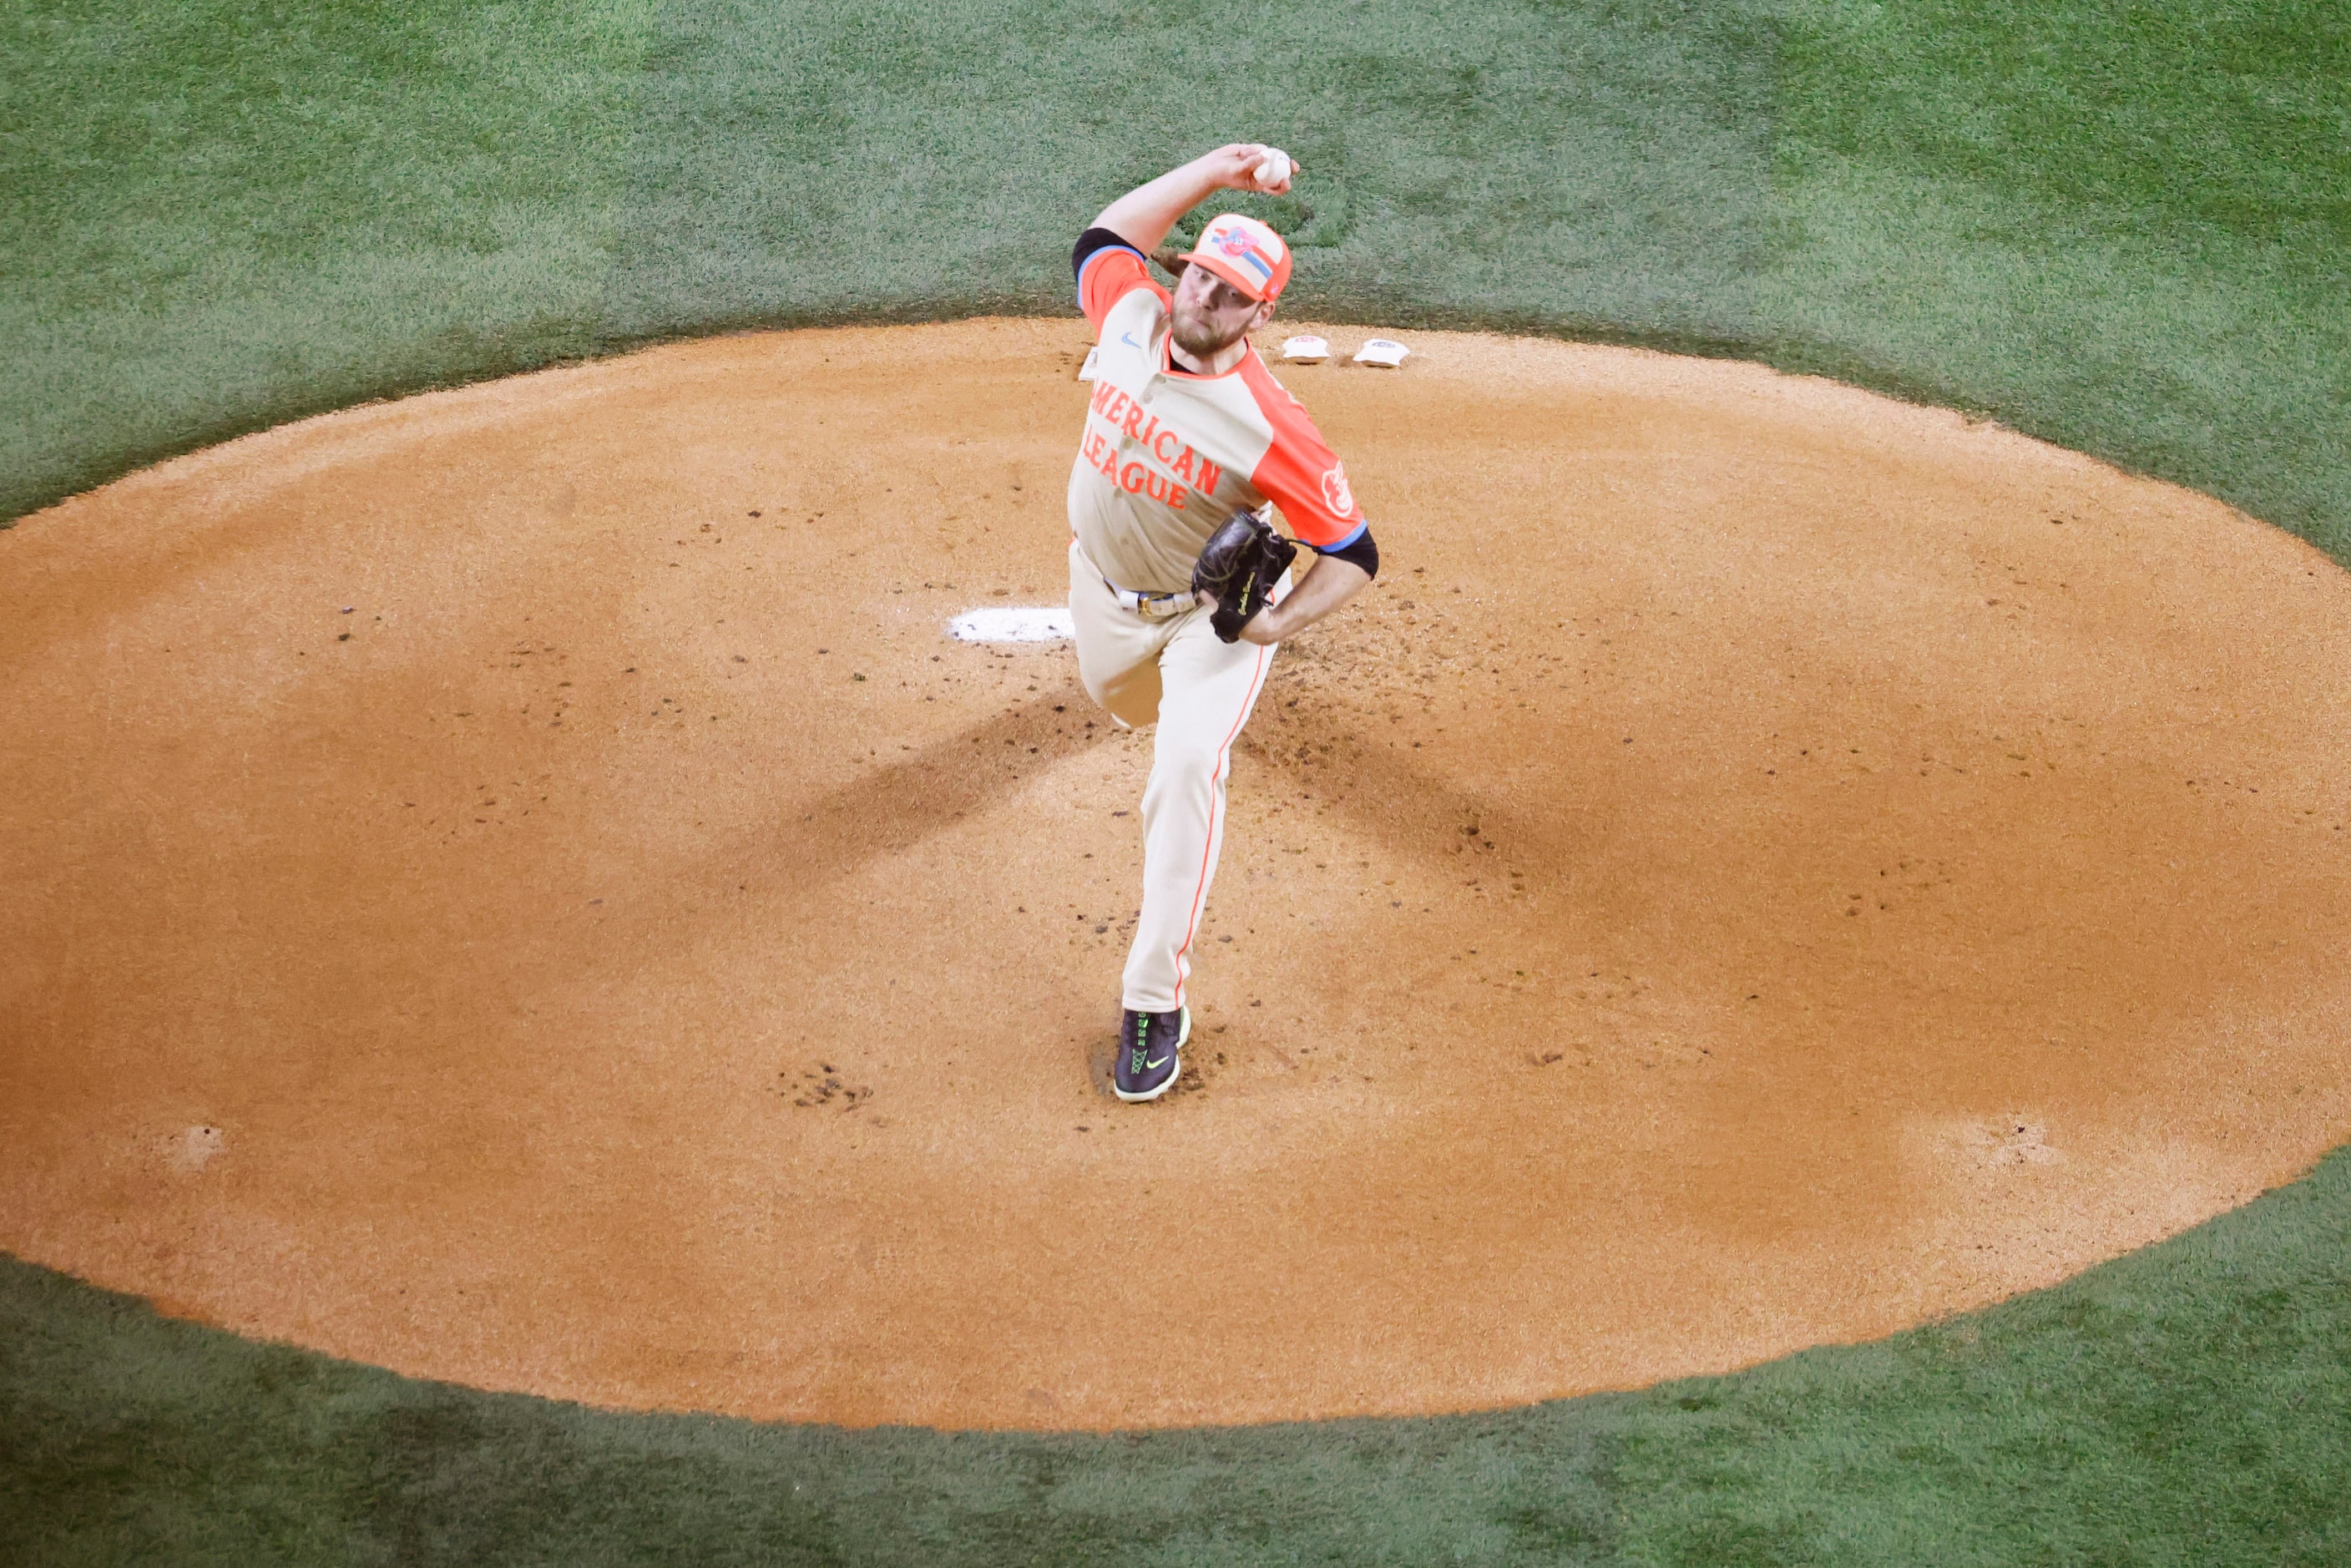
(1199, 691)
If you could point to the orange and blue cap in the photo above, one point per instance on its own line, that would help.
(1245, 253)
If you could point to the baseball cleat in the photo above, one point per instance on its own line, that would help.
(1147, 1060)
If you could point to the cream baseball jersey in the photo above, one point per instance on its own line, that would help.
(1168, 456)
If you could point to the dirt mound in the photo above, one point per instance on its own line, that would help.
(517, 887)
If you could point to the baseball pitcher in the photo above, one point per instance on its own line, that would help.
(1178, 589)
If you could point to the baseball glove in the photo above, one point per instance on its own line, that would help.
(1238, 567)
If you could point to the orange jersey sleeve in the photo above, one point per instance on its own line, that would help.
(1299, 473)
(1107, 276)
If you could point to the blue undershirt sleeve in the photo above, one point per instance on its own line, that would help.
(1359, 552)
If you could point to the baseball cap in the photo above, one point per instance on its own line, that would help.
(1245, 253)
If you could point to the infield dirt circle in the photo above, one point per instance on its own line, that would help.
(516, 885)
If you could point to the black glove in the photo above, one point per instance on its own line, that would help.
(1238, 567)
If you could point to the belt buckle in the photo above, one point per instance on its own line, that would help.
(1150, 606)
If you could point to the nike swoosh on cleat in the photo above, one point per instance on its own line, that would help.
(1156, 1062)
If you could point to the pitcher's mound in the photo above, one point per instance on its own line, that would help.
(1763, 866)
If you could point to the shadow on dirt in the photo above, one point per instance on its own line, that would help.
(901, 803)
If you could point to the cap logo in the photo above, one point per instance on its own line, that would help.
(1250, 254)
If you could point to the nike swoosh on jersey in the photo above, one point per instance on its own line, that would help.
(1128, 339)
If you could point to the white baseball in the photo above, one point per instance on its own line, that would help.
(1273, 170)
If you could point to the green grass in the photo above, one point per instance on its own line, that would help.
(2122, 226)
(2185, 1405)
(221, 216)
(1606, 167)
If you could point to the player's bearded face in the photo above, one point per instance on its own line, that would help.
(1209, 315)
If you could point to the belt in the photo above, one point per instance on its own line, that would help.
(1151, 606)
